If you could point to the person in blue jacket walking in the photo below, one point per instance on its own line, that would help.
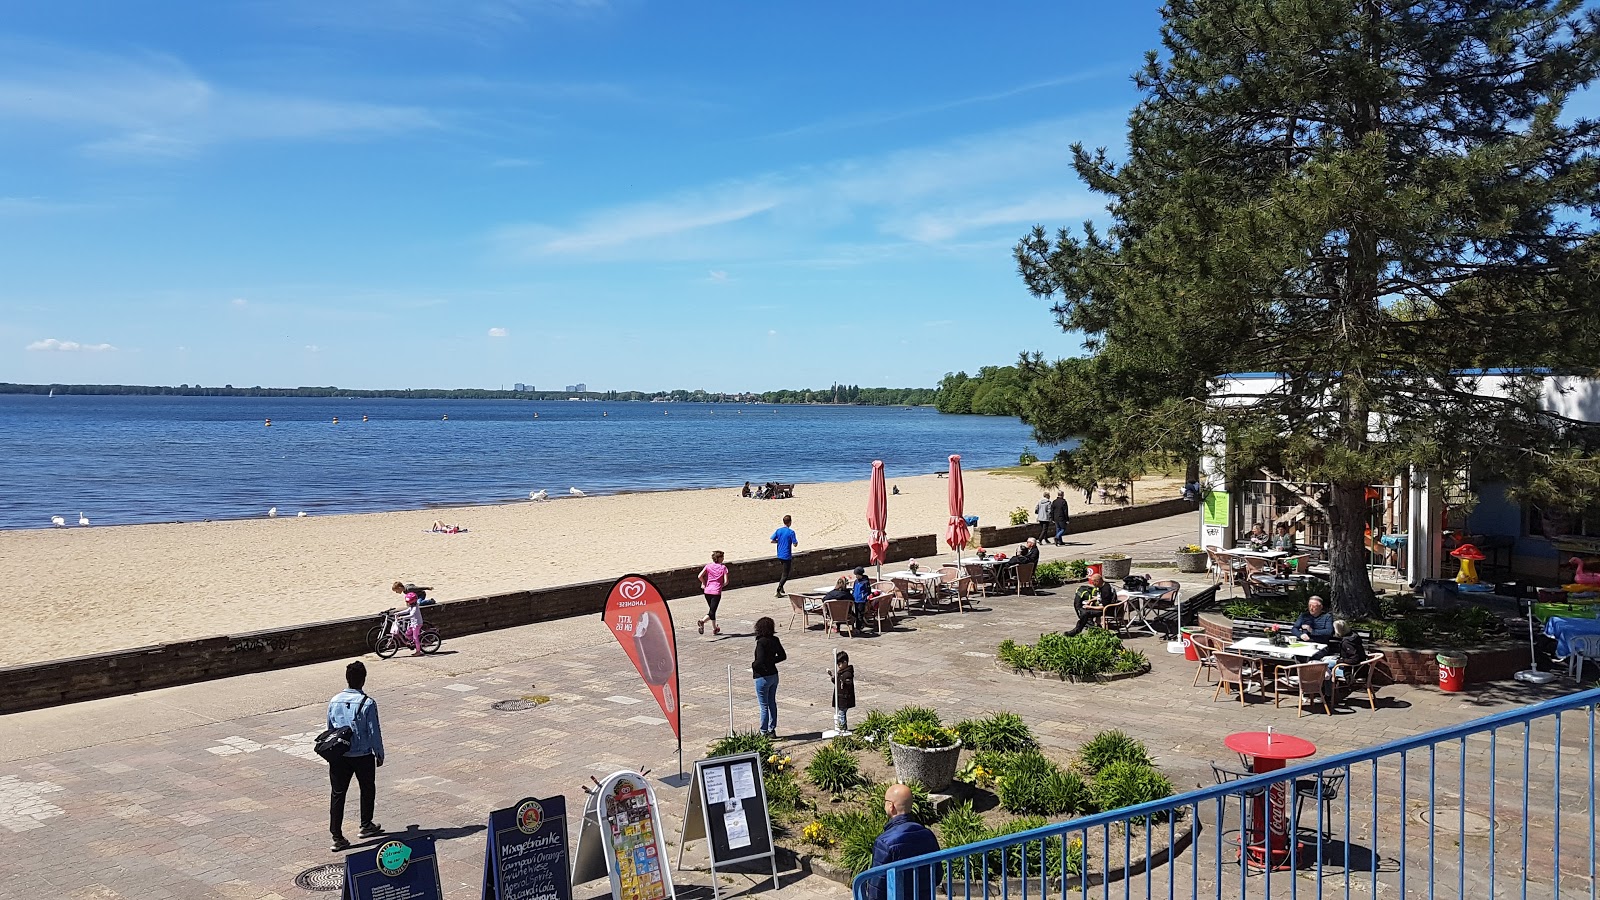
(902, 838)
(354, 708)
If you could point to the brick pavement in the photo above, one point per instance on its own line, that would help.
(209, 790)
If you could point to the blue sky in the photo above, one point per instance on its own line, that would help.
(470, 193)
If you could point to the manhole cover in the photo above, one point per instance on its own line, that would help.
(527, 701)
(322, 878)
(1450, 821)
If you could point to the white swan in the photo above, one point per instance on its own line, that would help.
(83, 519)
(539, 495)
(58, 522)
(301, 514)
(272, 513)
(575, 492)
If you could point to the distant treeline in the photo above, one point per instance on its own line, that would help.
(839, 393)
(994, 391)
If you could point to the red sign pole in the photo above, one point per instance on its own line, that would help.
(640, 620)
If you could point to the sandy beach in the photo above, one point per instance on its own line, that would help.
(72, 591)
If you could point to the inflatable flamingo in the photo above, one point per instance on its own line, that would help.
(1582, 577)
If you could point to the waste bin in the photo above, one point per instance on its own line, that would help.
(1452, 672)
(1186, 635)
(1094, 569)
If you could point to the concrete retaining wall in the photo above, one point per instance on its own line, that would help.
(59, 681)
(997, 537)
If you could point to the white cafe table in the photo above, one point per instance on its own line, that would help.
(987, 561)
(930, 580)
(1256, 554)
(1298, 651)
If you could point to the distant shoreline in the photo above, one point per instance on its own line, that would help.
(909, 397)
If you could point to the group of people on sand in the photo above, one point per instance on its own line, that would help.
(772, 490)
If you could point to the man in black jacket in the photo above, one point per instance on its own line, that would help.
(1006, 570)
(1058, 516)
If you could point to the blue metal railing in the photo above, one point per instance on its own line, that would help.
(1364, 839)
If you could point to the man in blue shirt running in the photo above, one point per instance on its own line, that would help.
(786, 541)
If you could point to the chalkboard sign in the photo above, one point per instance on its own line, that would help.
(525, 857)
(728, 809)
(394, 870)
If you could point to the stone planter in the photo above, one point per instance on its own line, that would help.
(1191, 563)
(935, 767)
(1116, 569)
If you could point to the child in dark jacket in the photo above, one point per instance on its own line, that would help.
(844, 691)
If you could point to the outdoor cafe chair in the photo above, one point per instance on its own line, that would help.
(881, 608)
(836, 615)
(981, 577)
(1235, 670)
(1247, 822)
(909, 589)
(1306, 790)
(1362, 675)
(1024, 575)
(1206, 648)
(892, 591)
(797, 607)
(1308, 679)
(1113, 616)
(1223, 568)
(1581, 647)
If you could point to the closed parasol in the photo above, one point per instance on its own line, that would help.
(878, 516)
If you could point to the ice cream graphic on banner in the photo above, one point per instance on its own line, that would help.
(639, 619)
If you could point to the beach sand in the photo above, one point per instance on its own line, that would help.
(74, 591)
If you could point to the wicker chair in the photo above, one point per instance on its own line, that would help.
(1308, 679)
(797, 607)
(1232, 669)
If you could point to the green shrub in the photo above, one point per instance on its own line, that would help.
(833, 770)
(1035, 857)
(1078, 568)
(875, 727)
(961, 825)
(1126, 783)
(855, 832)
(1129, 661)
(848, 743)
(918, 734)
(1243, 609)
(742, 742)
(1110, 747)
(1032, 784)
(1019, 516)
(1027, 458)
(1079, 656)
(1015, 655)
(1051, 574)
(1003, 731)
(916, 715)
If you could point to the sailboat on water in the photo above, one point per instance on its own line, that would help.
(52, 392)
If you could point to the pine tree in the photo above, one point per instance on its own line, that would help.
(1369, 199)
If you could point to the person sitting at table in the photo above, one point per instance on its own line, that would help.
(1257, 538)
(1006, 569)
(1091, 601)
(1346, 649)
(1284, 539)
(1316, 623)
(841, 591)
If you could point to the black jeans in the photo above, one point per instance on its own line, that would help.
(784, 579)
(365, 770)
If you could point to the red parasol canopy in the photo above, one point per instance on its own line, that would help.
(878, 515)
(956, 534)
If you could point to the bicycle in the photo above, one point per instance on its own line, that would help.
(391, 636)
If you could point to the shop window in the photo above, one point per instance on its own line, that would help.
(1541, 525)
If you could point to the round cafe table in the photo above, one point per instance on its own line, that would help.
(1269, 821)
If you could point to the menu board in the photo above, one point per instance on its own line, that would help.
(728, 808)
(526, 854)
(394, 870)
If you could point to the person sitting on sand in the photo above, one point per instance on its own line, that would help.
(746, 492)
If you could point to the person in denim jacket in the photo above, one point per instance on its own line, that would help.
(354, 708)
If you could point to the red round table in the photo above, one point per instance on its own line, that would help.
(1269, 821)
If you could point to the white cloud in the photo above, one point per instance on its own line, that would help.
(986, 186)
(718, 275)
(480, 21)
(239, 303)
(498, 332)
(313, 348)
(155, 106)
(772, 334)
(51, 344)
(36, 206)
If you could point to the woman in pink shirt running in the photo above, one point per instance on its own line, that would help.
(713, 578)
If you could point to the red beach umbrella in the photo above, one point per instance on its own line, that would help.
(878, 515)
(956, 534)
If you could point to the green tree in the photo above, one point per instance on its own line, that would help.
(1369, 199)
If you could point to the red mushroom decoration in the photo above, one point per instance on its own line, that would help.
(1468, 554)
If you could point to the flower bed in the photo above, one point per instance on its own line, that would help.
(829, 809)
(1091, 655)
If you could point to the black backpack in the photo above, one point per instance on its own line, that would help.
(334, 743)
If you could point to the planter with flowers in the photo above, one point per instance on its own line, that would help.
(1276, 635)
(1191, 559)
(1115, 566)
(925, 753)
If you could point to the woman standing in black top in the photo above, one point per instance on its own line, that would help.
(769, 652)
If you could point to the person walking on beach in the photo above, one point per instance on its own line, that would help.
(769, 652)
(1041, 516)
(352, 707)
(1059, 516)
(713, 578)
(843, 677)
(786, 541)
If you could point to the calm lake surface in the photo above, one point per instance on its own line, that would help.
(124, 460)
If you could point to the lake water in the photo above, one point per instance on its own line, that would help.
(124, 460)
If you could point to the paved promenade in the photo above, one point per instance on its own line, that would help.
(211, 790)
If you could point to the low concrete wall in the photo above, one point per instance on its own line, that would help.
(1496, 662)
(1109, 517)
(36, 685)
